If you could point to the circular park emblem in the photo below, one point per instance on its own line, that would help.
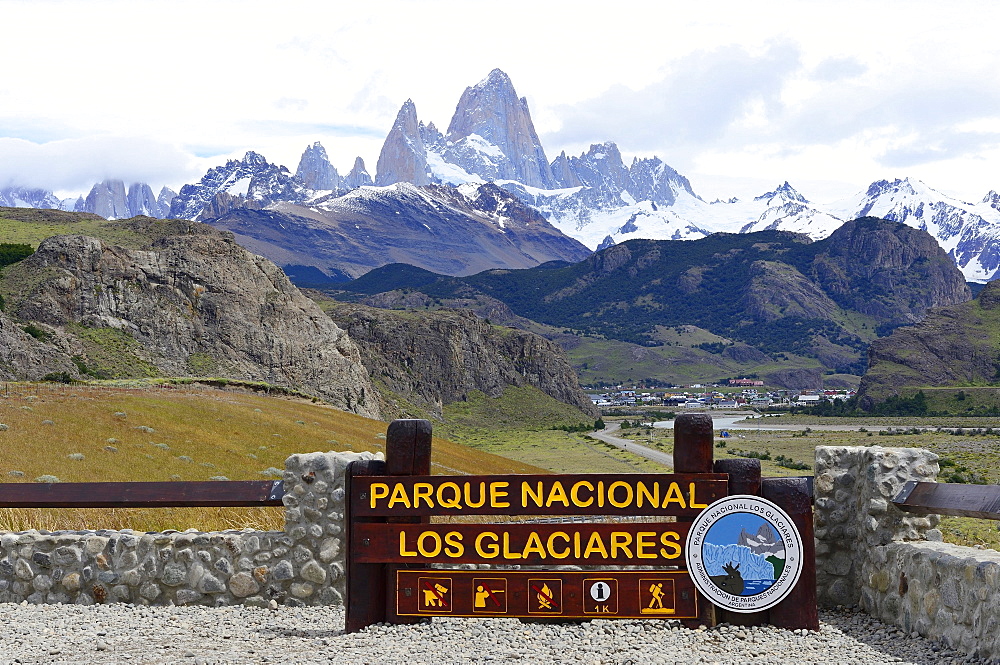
(743, 553)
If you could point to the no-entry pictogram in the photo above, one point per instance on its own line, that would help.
(490, 595)
(545, 596)
(435, 594)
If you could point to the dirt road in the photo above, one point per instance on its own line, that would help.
(631, 446)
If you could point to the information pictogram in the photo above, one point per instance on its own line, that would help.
(656, 596)
(601, 596)
(435, 594)
(490, 595)
(545, 596)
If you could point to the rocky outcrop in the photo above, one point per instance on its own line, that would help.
(492, 135)
(25, 358)
(403, 157)
(433, 358)
(953, 346)
(777, 290)
(869, 264)
(191, 304)
(315, 170)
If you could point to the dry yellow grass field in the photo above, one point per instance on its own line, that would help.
(161, 433)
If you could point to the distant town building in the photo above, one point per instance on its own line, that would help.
(745, 382)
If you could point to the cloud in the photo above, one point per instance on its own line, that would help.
(939, 146)
(835, 69)
(697, 103)
(76, 164)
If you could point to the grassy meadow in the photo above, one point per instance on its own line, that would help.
(521, 425)
(971, 456)
(88, 433)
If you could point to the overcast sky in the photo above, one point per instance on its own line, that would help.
(738, 96)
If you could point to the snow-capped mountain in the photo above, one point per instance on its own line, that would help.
(252, 182)
(600, 201)
(969, 232)
(109, 199)
(24, 197)
(450, 230)
(315, 170)
(595, 197)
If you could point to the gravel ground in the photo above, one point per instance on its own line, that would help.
(110, 634)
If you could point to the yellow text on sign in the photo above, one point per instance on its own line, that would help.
(557, 545)
(537, 494)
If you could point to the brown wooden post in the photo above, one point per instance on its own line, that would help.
(407, 453)
(798, 609)
(365, 601)
(744, 478)
(694, 437)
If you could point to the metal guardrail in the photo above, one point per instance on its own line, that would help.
(922, 498)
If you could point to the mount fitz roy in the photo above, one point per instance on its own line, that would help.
(487, 179)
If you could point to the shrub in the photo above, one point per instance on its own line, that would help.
(16, 474)
(58, 377)
(147, 430)
(110, 449)
(185, 458)
(78, 457)
(218, 478)
(272, 472)
(47, 479)
(3, 428)
(48, 422)
(37, 333)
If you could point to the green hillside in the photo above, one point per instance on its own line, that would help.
(769, 302)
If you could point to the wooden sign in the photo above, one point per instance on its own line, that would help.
(391, 543)
(647, 594)
(637, 544)
(590, 494)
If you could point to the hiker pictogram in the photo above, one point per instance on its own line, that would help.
(490, 594)
(545, 596)
(656, 596)
(435, 594)
(600, 596)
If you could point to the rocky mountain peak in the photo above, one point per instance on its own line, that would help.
(992, 199)
(784, 191)
(108, 199)
(141, 201)
(403, 157)
(252, 158)
(26, 197)
(358, 175)
(315, 170)
(653, 180)
(251, 182)
(491, 134)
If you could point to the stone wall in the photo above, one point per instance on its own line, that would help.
(302, 565)
(893, 564)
